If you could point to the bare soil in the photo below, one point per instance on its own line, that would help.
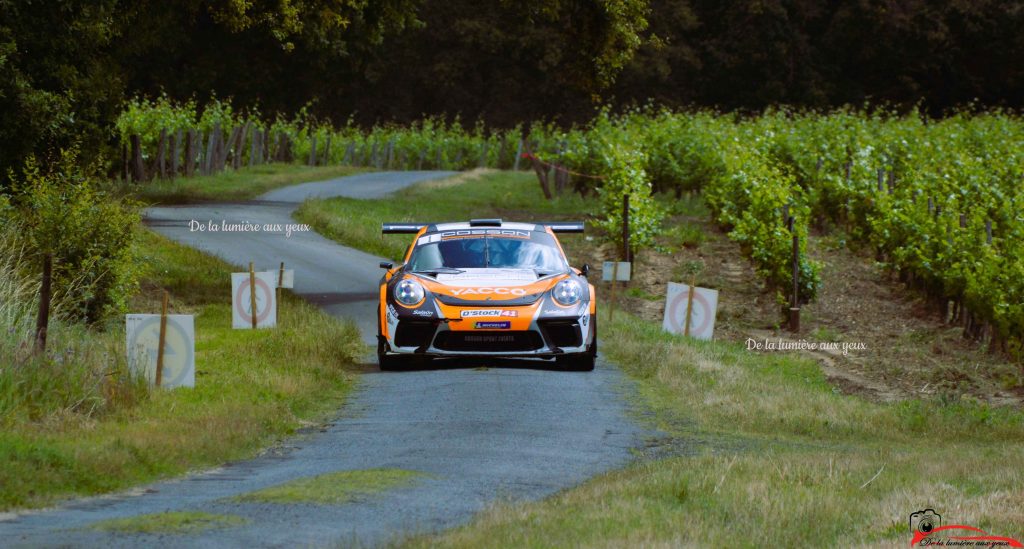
(908, 350)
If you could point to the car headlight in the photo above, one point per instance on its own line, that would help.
(567, 292)
(409, 292)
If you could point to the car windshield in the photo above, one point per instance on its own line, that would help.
(538, 253)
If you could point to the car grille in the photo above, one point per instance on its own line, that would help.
(488, 342)
(412, 333)
(521, 301)
(562, 333)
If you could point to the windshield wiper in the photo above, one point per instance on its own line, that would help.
(440, 270)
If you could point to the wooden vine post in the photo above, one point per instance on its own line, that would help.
(43, 319)
(137, 168)
(538, 167)
(689, 304)
(611, 304)
(280, 284)
(161, 342)
(252, 294)
(161, 154)
(175, 153)
(794, 309)
(191, 151)
(627, 252)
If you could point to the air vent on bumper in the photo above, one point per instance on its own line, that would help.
(488, 342)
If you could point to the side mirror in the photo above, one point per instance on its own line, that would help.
(386, 265)
(585, 270)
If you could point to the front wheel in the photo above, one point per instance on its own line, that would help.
(583, 362)
(386, 362)
(391, 363)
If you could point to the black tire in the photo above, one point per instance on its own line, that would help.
(386, 362)
(391, 363)
(394, 363)
(582, 362)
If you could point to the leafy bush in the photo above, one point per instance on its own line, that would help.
(626, 177)
(82, 372)
(88, 233)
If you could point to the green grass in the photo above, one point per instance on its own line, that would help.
(177, 522)
(252, 387)
(685, 235)
(825, 334)
(235, 185)
(764, 442)
(511, 196)
(640, 293)
(333, 488)
(765, 451)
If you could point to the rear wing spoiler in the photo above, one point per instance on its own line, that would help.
(564, 226)
(401, 228)
(413, 228)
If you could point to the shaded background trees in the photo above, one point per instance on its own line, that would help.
(66, 65)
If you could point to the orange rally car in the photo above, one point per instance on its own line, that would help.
(486, 288)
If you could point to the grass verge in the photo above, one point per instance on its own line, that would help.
(760, 450)
(333, 488)
(252, 387)
(767, 454)
(176, 522)
(238, 184)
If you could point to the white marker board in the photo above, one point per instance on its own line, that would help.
(142, 341)
(621, 273)
(702, 315)
(266, 300)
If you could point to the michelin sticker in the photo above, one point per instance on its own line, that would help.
(493, 325)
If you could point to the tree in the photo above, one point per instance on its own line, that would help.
(504, 62)
(270, 53)
(86, 233)
(57, 86)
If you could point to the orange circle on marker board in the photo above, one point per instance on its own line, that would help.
(680, 300)
(263, 288)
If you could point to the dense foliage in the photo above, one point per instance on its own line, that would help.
(66, 65)
(59, 212)
(939, 200)
(507, 62)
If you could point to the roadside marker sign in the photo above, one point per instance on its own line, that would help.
(701, 304)
(616, 271)
(142, 339)
(242, 300)
(613, 271)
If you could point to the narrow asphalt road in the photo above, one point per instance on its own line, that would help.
(480, 434)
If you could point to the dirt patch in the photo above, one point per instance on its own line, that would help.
(908, 347)
(458, 179)
(908, 351)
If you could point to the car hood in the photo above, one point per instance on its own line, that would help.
(487, 284)
(484, 277)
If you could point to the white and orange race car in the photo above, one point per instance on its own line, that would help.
(486, 288)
